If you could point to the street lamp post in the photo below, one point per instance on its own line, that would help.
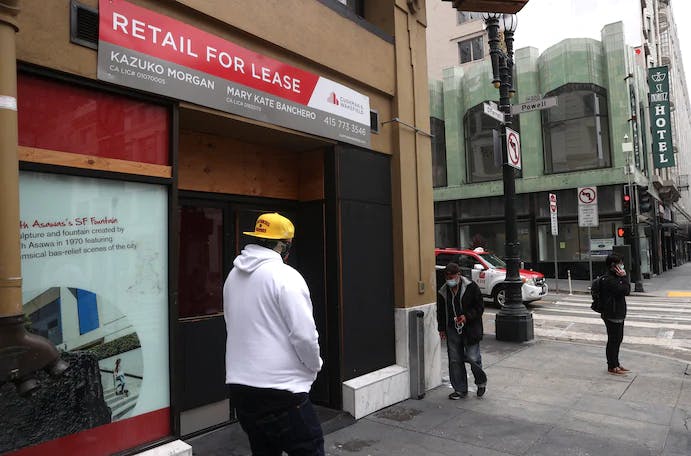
(513, 321)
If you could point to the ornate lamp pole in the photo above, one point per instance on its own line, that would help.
(513, 322)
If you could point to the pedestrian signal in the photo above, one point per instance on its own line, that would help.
(622, 232)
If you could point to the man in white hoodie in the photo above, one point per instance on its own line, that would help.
(272, 347)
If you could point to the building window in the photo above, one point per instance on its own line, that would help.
(608, 201)
(493, 206)
(439, 177)
(482, 158)
(576, 131)
(472, 49)
(444, 235)
(467, 16)
(358, 6)
(573, 243)
(491, 236)
(444, 215)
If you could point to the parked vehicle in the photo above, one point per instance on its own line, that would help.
(489, 271)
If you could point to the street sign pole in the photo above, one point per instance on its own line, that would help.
(555, 232)
(590, 256)
(588, 216)
(556, 270)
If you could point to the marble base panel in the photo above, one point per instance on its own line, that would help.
(176, 448)
(432, 342)
(374, 391)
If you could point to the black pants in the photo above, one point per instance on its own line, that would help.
(615, 334)
(295, 430)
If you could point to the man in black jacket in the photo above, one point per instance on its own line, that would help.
(614, 287)
(459, 320)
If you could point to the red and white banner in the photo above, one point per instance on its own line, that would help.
(142, 49)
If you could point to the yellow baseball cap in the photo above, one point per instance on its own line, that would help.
(272, 226)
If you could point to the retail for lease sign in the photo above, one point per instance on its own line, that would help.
(148, 51)
(658, 84)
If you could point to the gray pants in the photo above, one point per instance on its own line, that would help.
(459, 354)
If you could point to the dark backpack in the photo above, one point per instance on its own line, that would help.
(595, 293)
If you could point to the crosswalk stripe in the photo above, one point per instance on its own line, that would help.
(631, 320)
(629, 308)
(652, 321)
(629, 299)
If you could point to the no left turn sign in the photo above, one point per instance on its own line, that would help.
(513, 148)
(587, 195)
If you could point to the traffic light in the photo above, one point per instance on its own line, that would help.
(644, 204)
(626, 201)
(622, 232)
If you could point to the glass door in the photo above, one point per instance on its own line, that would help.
(203, 397)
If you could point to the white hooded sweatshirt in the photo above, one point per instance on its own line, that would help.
(272, 340)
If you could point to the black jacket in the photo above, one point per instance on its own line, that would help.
(471, 305)
(613, 292)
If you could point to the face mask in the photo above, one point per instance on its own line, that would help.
(452, 283)
(285, 249)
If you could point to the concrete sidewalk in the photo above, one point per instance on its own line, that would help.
(543, 398)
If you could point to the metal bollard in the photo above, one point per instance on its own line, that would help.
(568, 273)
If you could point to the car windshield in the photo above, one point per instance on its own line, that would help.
(493, 260)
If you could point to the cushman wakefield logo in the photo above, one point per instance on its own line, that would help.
(345, 103)
(333, 99)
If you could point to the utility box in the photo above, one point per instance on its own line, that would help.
(416, 349)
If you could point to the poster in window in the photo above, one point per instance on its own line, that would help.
(95, 271)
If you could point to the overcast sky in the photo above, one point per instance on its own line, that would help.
(542, 23)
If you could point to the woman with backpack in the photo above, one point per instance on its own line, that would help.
(614, 287)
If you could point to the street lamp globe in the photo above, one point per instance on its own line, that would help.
(487, 16)
(510, 23)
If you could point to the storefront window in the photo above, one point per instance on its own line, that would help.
(573, 243)
(443, 234)
(491, 237)
(608, 201)
(576, 131)
(492, 206)
(95, 283)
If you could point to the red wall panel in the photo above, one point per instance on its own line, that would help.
(63, 117)
(105, 440)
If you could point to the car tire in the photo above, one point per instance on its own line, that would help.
(499, 296)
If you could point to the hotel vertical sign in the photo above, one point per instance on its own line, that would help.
(148, 51)
(658, 84)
